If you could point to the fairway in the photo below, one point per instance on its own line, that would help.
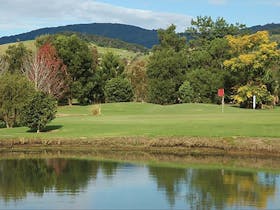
(148, 120)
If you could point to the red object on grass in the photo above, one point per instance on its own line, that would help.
(221, 92)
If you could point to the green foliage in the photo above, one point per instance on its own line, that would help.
(15, 56)
(39, 111)
(245, 94)
(78, 58)
(137, 74)
(162, 92)
(167, 68)
(205, 84)
(118, 90)
(111, 66)
(186, 93)
(15, 92)
(205, 73)
(205, 28)
(170, 39)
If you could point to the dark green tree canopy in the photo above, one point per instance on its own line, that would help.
(118, 90)
(167, 66)
(15, 57)
(15, 92)
(39, 111)
(204, 27)
(170, 39)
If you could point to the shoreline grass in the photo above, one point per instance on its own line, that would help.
(148, 127)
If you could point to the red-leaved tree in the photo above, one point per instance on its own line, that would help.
(47, 71)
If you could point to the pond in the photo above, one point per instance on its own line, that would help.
(94, 184)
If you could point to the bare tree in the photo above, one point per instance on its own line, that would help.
(47, 71)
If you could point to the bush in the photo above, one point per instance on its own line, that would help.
(39, 111)
(2, 124)
(244, 96)
(118, 90)
(186, 93)
(162, 92)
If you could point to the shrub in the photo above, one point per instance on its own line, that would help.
(186, 93)
(244, 96)
(118, 90)
(39, 111)
(96, 110)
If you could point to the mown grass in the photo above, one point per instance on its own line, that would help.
(148, 120)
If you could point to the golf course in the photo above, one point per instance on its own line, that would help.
(148, 120)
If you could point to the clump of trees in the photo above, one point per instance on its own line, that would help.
(220, 55)
(66, 67)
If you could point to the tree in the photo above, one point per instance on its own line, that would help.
(111, 66)
(15, 92)
(170, 39)
(254, 61)
(118, 90)
(205, 29)
(78, 58)
(47, 71)
(166, 68)
(137, 74)
(244, 96)
(39, 111)
(15, 56)
(186, 93)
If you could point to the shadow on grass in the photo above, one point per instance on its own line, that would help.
(48, 129)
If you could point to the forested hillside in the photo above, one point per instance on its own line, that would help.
(126, 33)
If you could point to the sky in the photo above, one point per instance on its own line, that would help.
(19, 16)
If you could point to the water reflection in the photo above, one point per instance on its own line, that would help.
(181, 188)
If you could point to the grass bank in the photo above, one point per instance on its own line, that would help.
(146, 127)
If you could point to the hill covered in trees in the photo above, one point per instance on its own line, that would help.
(126, 33)
(114, 35)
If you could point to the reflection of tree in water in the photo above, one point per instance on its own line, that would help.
(73, 175)
(19, 177)
(109, 169)
(169, 180)
(216, 188)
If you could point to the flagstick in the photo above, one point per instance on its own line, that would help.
(223, 104)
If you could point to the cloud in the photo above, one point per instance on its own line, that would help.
(217, 2)
(30, 14)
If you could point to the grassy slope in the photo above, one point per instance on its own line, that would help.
(135, 119)
(122, 53)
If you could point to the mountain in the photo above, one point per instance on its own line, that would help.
(126, 33)
(272, 28)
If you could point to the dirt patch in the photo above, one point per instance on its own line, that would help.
(164, 145)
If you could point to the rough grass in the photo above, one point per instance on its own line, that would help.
(101, 50)
(148, 120)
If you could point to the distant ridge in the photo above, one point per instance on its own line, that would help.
(127, 33)
(273, 28)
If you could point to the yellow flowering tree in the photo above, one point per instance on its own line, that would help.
(253, 62)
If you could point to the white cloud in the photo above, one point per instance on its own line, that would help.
(31, 14)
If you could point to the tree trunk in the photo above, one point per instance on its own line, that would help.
(38, 131)
(70, 103)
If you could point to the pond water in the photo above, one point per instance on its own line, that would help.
(90, 184)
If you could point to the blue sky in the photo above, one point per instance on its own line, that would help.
(18, 16)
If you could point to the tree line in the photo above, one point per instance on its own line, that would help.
(66, 67)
